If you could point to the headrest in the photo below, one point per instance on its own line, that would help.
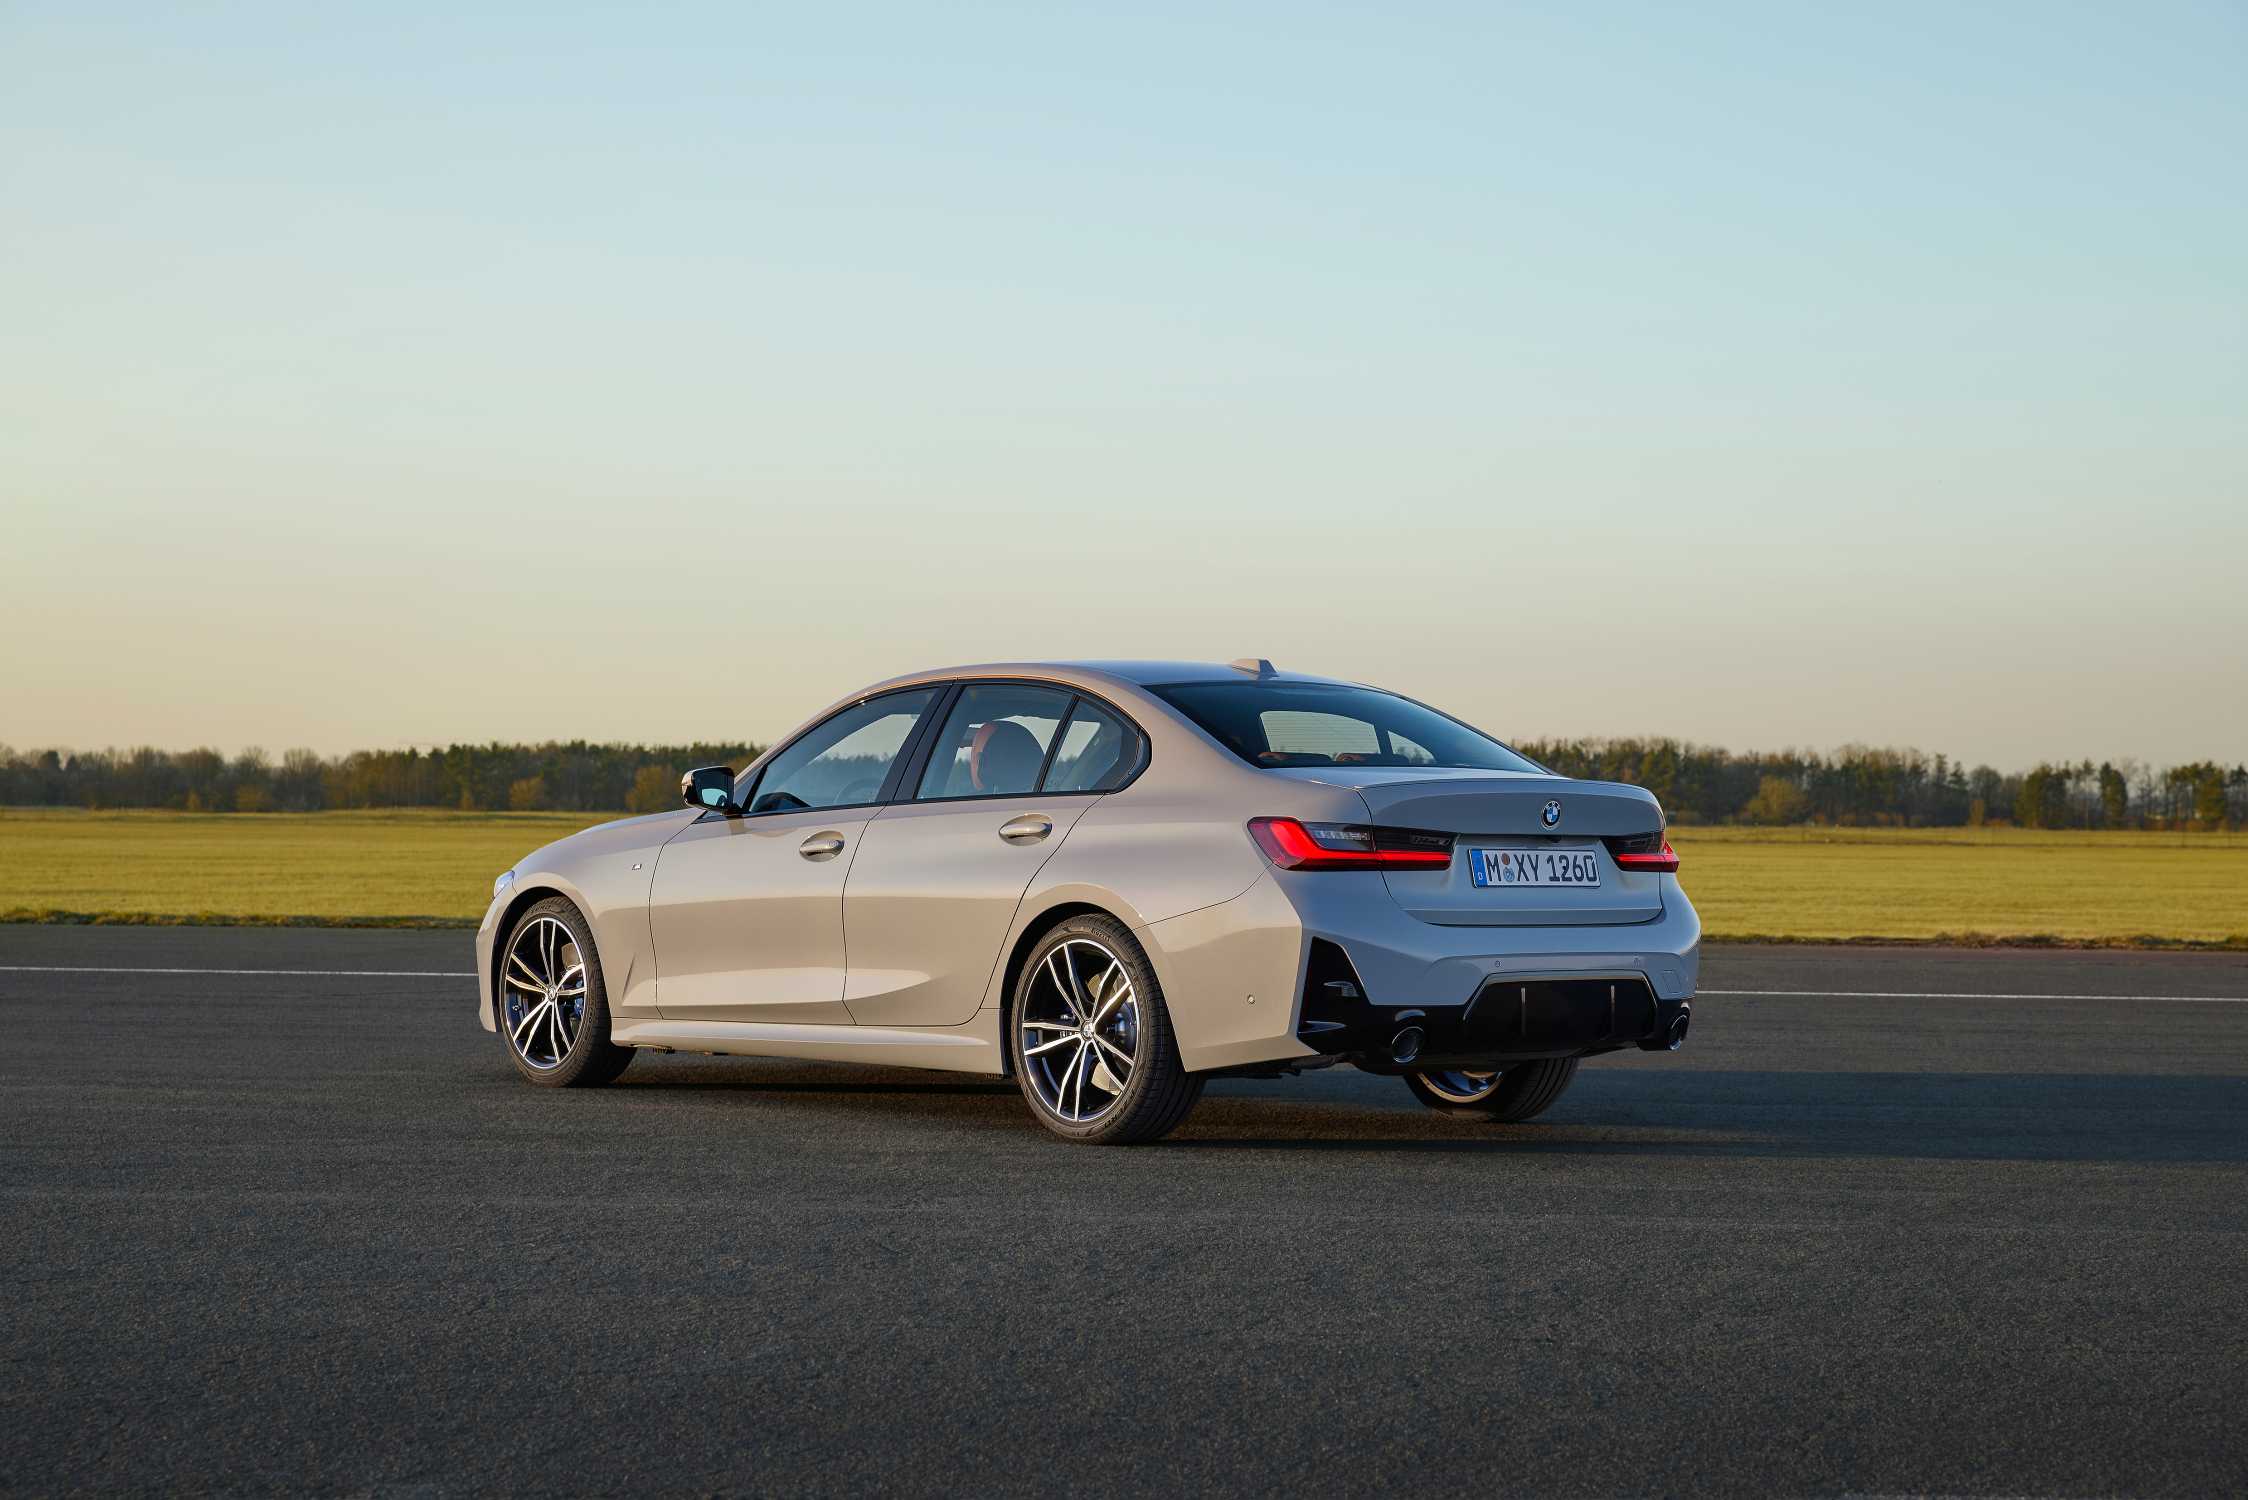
(1003, 757)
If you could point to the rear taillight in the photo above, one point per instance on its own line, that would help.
(1649, 853)
(1348, 846)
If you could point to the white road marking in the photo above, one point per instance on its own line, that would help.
(1973, 995)
(1729, 994)
(295, 973)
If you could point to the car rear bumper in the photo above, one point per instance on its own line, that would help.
(1242, 978)
(1507, 1021)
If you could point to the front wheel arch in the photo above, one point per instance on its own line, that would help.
(582, 1051)
(519, 901)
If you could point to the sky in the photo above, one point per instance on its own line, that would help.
(1763, 375)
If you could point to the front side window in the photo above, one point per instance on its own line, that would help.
(1282, 724)
(842, 761)
(994, 741)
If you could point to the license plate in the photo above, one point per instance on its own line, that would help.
(1543, 867)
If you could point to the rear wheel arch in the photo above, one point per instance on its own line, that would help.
(1113, 1014)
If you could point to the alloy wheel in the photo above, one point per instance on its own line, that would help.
(1460, 1087)
(1080, 1026)
(543, 984)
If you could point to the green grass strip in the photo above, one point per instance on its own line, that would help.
(2140, 942)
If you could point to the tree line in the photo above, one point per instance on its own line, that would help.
(1869, 786)
(572, 777)
(1856, 785)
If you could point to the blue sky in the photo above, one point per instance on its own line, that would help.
(1760, 374)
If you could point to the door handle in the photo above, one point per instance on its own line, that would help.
(1027, 829)
(821, 846)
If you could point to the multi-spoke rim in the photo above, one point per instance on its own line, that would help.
(1461, 1087)
(543, 984)
(1080, 1025)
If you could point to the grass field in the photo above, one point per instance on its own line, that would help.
(1798, 884)
(381, 868)
(1803, 884)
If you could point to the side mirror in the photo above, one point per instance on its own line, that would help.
(709, 789)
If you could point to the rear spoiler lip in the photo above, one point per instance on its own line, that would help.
(1369, 778)
(1509, 808)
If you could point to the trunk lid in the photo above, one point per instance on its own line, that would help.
(1506, 812)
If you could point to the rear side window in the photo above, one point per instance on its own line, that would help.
(1000, 737)
(1282, 724)
(994, 742)
(1098, 753)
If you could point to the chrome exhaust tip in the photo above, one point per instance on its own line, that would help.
(1406, 1045)
(1672, 1037)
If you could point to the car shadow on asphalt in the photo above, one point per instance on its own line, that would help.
(2113, 1118)
(2061, 1117)
(1929, 1116)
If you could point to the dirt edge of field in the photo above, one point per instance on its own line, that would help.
(2141, 942)
(48, 916)
(2144, 942)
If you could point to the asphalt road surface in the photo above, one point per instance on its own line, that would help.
(306, 1232)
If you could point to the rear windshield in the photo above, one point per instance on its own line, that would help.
(1283, 724)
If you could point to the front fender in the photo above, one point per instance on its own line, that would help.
(499, 920)
(607, 872)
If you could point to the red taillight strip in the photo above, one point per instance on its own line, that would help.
(1665, 863)
(1288, 844)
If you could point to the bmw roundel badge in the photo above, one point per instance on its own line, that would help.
(1551, 815)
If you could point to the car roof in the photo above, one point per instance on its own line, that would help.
(1137, 673)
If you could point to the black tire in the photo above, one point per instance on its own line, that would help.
(589, 1059)
(1519, 1093)
(1158, 1092)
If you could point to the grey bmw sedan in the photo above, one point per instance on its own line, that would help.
(1112, 881)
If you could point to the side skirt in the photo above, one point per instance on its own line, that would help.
(959, 1049)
